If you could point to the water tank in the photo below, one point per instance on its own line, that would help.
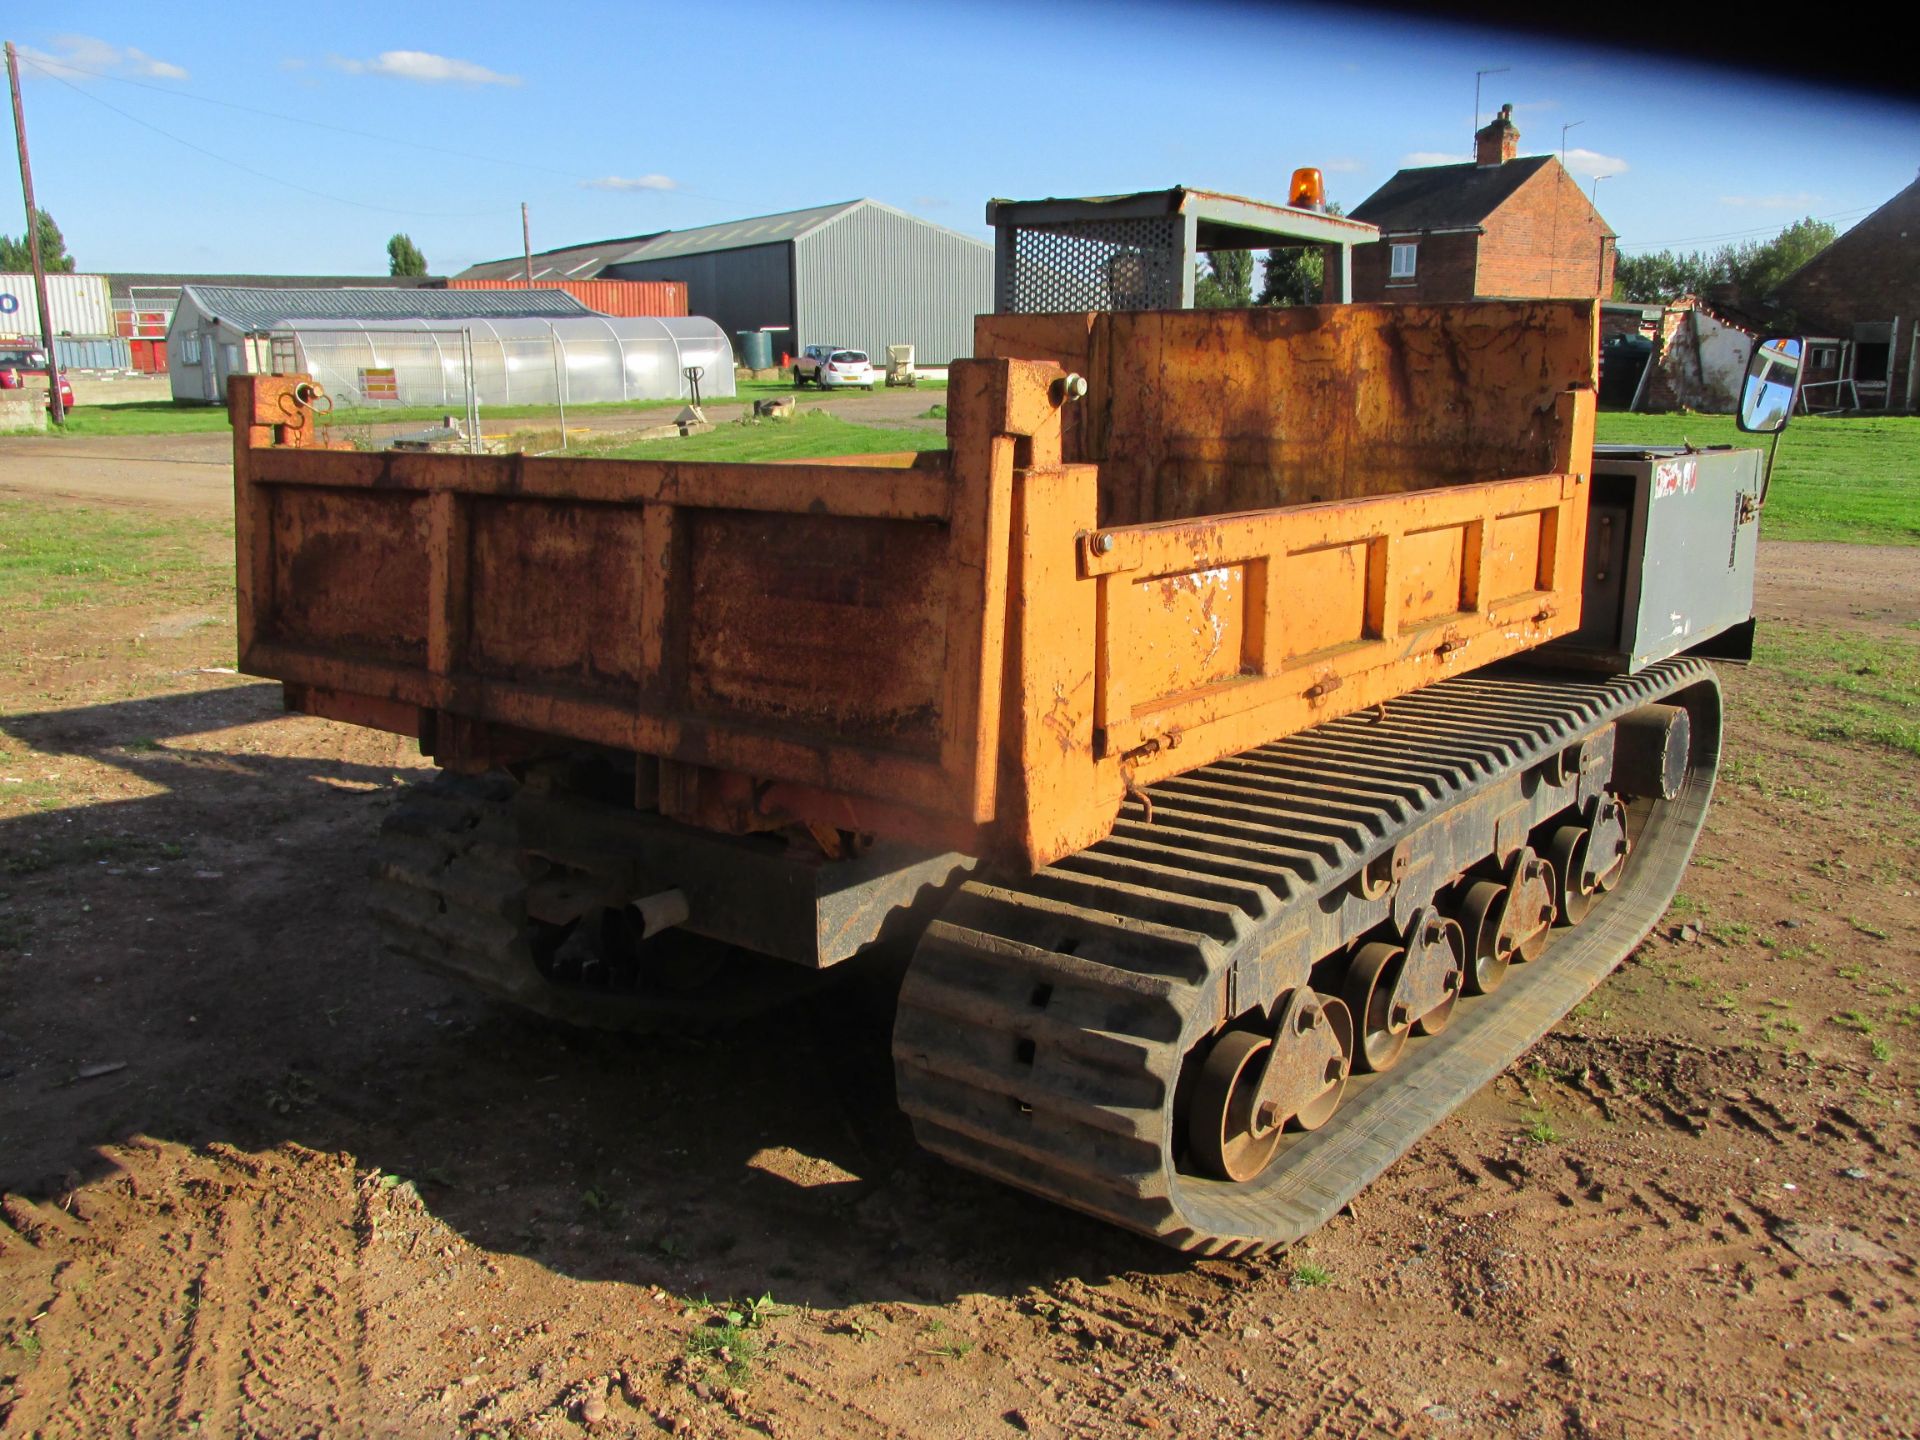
(756, 349)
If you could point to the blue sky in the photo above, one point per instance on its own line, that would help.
(622, 119)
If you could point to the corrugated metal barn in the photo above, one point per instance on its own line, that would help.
(860, 274)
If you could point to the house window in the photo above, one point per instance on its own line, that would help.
(1404, 257)
(190, 350)
(1824, 357)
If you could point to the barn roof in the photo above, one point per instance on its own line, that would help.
(585, 261)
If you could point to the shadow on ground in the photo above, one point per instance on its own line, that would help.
(207, 940)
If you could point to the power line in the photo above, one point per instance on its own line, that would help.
(1743, 234)
(46, 64)
(263, 174)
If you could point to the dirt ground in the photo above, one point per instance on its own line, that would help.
(259, 1182)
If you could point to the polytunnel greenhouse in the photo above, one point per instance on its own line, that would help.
(583, 360)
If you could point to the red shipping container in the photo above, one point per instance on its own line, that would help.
(609, 297)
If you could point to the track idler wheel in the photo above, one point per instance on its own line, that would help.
(1397, 990)
(1589, 859)
(1507, 922)
(1256, 1085)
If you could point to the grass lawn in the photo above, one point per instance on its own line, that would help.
(140, 417)
(1850, 686)
(57, 557)
(745, 393)
(1854, 479)
(815, 435)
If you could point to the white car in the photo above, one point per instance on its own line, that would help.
(831, 368)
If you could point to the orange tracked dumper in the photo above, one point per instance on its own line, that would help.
(1216, 716)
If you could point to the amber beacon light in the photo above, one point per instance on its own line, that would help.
(1308, 191)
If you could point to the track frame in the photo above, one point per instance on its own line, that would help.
(1047, 1022)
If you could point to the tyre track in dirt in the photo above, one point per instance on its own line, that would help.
(238, 1269)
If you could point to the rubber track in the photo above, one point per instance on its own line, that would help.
(1044, 1021)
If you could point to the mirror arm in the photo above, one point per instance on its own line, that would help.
(1766, 473)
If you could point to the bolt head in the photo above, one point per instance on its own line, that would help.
(1104, 544)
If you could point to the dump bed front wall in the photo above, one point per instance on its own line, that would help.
(1204, 412)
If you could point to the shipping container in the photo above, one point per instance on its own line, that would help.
(144, 322)
(78, 305)
(149, 356)
(629, 298)
(92, 352)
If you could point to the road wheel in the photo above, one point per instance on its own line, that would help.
(799, 380)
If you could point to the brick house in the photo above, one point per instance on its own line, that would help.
(1864, 290)
(1502, 227)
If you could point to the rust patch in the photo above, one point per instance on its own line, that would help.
(555, 593)
(350, 571)
(831, 625)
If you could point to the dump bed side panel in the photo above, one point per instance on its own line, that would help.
(834, 628)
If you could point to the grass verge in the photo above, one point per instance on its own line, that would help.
(57, 557)
(1847, 686)
(815, 435)
(167, 417)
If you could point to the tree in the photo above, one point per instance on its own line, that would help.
(1295, 273)
(1225, 281)
(1751, 271)
(1761, 269)
(404, 257)
(16, 255)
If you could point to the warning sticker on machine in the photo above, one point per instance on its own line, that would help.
(1675, 477)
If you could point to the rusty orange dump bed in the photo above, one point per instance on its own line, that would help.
(1253, 521)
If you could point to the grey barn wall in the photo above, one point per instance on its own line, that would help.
(737, 289)
(873, 278)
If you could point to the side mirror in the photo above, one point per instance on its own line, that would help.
(1772, 383)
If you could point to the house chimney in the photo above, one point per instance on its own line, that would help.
(1499, 142)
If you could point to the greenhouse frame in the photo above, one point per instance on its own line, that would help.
(581, 360)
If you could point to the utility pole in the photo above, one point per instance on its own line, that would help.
(54, 403)
(526, 242)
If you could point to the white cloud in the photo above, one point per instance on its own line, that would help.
(1798, 200)
(1340, 167)
(426, 67)
(86, 52)
(631, 182)
(1589, 163)
(1432, 157)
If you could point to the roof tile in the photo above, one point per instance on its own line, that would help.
(1446, 197)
